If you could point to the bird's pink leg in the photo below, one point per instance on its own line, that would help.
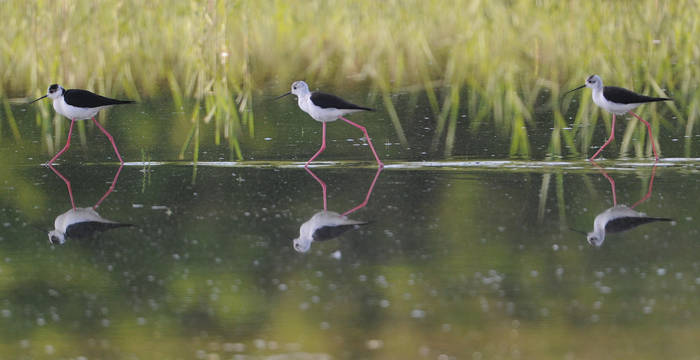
(111, 187)
(651, 186)
(366, 137)
(110, 139)
(70, 132)
(70, 191)
(610, 180)
(651, 138)
(369, 193)
(323, 187)
(612, 136)
(323, 146)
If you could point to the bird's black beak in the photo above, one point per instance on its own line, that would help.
(578, 88)
(576, 230)
(279, 97)
(38, 99)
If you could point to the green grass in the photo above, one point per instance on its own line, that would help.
(505, 53)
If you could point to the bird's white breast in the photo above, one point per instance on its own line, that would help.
(74, 112)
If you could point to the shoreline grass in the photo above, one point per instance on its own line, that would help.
(223, 53)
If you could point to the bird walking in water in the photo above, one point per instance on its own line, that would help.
(618, 101)
(326, 108)
(77, 104)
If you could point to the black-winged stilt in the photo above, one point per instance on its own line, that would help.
(620, 218)
(618, 101)
(326, 225)
(81, 222)
(326, 108)
(323, 225)
(77, 104)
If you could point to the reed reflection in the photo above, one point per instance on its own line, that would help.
(620, 218)
(326, 224)
(81, 222)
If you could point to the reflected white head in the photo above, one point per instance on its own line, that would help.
(596, 238)
(302, 245)
(56, 237)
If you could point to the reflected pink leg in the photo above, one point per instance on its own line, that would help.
(651, 138)
(110, 140)
(651, 186)
(364, 130)
(70, 191)
(323, 146)
(70, 132)
(612, 136)
(369, 193)
(111, 187)
(610, 180)
(323, 187)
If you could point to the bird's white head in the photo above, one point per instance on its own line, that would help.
(300, 88)
(56, 237)
(302, 245)
(54, 92)
(594, 82)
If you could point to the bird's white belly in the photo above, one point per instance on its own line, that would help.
(615, 108)
(321, 114)
(74, 112)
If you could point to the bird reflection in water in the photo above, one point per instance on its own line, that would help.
(81, 222)
(620, 218)
(325, 224)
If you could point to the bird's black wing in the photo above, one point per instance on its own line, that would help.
(89, 228)
(629, 222)
(623, 96)
(328, 101)
(330, 232)
(87, 99)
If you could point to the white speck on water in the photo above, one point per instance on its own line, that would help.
(647, 310)
(234, 347)
(417, 314)
(374, 344)
(501, 228)
(555, 247)
(282, 287)
(336, 255)
(40, 321)
(6, 313)
(661, 271)
(267, 138)
(259, 344)
(362, 278)
(141, 321)
(605, 289)
(137, 206)
(384, 303)
(304, 306)
(534, 273)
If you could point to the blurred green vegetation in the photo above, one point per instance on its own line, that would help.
(505, 62)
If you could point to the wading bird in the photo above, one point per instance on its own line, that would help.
(618, 101)
(326, 108)
(77, 104)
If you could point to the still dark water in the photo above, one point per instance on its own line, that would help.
(454, 262)
(471, 256)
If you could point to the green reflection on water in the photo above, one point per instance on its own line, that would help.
(455, 260)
